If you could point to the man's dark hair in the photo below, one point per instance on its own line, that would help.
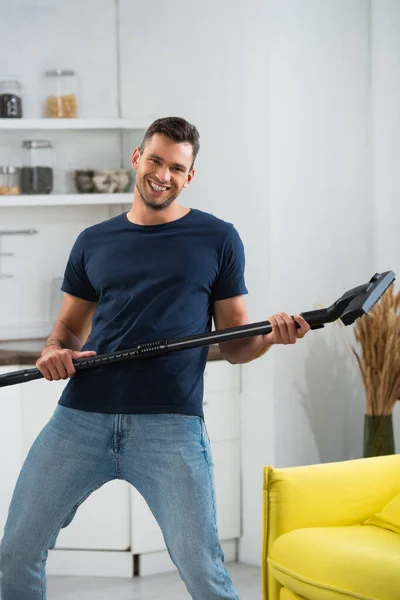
(176, 129)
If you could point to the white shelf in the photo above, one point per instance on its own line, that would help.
(72, 124)
(65, 199)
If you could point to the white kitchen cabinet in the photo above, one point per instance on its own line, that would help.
(46, 124)
(65, 200)
(38, 401)
(220, 375)
(116, 517)
(102, 520)
(10, 442)
(71, 125)
(222, 418)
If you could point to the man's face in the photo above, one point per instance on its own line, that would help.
(162, 171)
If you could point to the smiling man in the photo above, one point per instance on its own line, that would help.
(158, 271)
(159, 181)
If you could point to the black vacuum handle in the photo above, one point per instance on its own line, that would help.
(151, 349)
(352, 305)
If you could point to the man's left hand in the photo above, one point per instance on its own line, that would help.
(284, 329)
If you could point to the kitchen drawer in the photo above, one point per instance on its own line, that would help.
(222, 415)
(221, 375)
(102, 520)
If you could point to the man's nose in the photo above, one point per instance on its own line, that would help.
(163, 174)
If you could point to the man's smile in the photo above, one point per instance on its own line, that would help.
(157, 188)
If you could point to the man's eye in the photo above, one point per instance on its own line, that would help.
(154, 160)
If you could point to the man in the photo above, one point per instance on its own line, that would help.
(158, 271)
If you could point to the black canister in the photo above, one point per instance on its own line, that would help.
(10, 100)
(37, 171)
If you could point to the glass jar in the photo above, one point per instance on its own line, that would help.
(9, 181)
(10, 100)
(61, 101)
(37, 170)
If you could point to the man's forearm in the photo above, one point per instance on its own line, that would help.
(245, 350)
(62, 337)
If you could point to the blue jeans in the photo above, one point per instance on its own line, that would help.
(166, 457)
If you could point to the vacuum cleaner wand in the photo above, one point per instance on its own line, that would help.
(353, 304)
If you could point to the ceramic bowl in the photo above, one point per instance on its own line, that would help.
(102, 181)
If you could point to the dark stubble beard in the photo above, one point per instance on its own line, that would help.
(156, 207)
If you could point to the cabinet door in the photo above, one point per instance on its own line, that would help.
(39, 399)
(102, 520)
(10, 443)
(146, 534)
(222, 415)
(220, 375)
(226, 458)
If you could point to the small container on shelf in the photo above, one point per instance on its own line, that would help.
(9, 181)
(37, 169)
(61, 101)
(10, 100)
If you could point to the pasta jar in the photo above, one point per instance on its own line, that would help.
(9, 181)
(37, 170)
(61, 101)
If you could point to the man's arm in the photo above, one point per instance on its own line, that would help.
(232, 312)
(73, 324)
(67, 338)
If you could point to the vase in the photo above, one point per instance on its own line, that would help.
(378, 435)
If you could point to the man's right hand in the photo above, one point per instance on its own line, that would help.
(56, 363)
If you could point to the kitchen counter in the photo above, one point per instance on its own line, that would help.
(26, 352)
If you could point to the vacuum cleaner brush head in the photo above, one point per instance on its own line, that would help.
(365, 300)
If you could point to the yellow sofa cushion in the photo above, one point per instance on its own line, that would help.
(286, 594)
(332, 563)
(388, 517)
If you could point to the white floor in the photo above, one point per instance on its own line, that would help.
(167, 586)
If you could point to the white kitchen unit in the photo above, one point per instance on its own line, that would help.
(64, 199)
(114, 523)
(72, 124)
(222, 417)
(10, 443)
(120, 126)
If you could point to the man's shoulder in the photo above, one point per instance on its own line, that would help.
(106, 226)
(212, 221)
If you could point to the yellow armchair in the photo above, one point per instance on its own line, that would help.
(315, 543)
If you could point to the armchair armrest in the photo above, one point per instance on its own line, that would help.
(324, 495)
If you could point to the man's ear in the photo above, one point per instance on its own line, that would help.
(189, 177)
(135, 158)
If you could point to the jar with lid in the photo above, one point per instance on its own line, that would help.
(61, 101)
(10, 100)
(37, 170)
(9, 180)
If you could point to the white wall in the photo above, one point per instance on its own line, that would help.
(320, 202)
(385, 101)
(321, 208)
(383, 97)
(385, 116)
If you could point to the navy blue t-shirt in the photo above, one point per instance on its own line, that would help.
(150, 283)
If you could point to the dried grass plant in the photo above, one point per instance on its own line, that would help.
(378, 357)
